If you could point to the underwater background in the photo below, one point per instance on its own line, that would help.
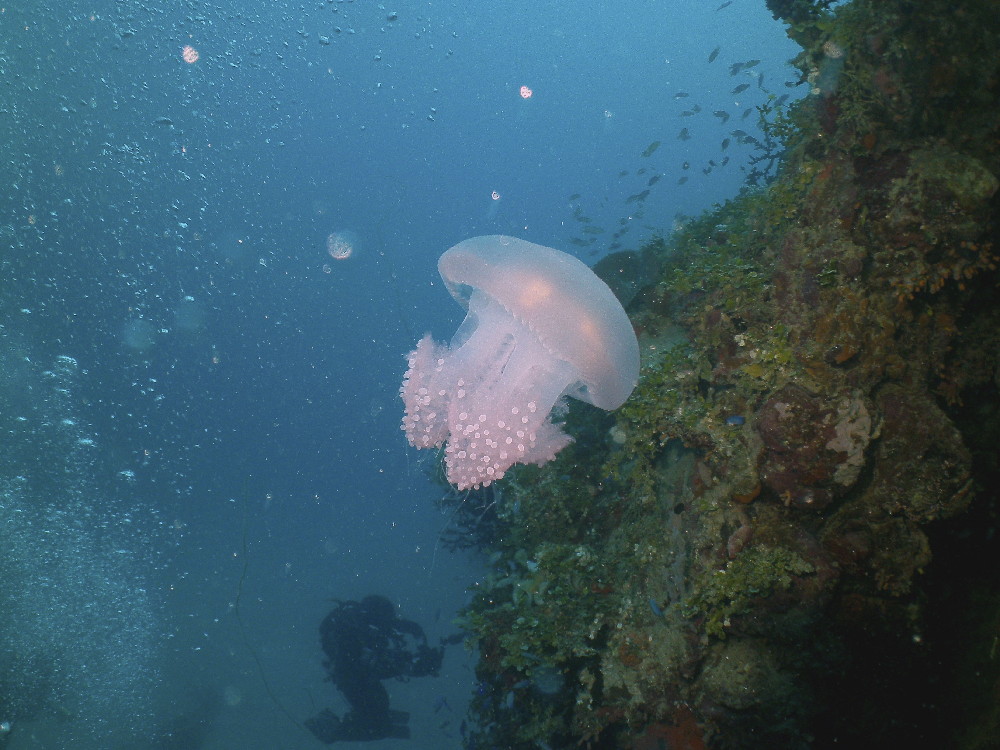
(219, 233)
(191, 383)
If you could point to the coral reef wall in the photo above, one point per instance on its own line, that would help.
(787, 536)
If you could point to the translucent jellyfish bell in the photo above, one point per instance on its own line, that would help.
(342, 244)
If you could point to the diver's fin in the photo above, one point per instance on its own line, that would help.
(325, 726)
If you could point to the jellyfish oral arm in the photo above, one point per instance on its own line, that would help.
(489, 396)
(424, 392)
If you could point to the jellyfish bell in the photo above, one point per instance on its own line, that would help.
(342, 244)
(540, 326)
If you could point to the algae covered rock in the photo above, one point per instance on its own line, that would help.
(814, 445)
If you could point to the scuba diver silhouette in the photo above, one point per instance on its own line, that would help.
(365, 643)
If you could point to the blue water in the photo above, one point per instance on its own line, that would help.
(199, 404)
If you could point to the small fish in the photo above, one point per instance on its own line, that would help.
(593, 230)
(655, 607)
(724, 116)
(682, 180)
(735, 420)
(751, 63)
(781, 100)
(687, 113)
(712, 162)
(760, 81)
(584, 219)
(740, 89)
(715, 54)
(575, 197)
(724, 162)
(650, 149)
(725, 143)
(738, 133)
(623, 173)
(684, 135)
(724, 5)
(707, 170)
(681, 94)
(735, 68)
(746, 113)
(686, 165)
(579, 242)
(163, 121)
(637, 197)
(653, 180)
(641, 170)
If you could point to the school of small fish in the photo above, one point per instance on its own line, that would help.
(589, 235)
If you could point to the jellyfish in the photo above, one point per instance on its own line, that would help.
(540, 326)
(341, 245)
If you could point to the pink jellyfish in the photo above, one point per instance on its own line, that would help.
(540, 326)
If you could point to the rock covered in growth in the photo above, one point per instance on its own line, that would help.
(778, 542)
(814, 446)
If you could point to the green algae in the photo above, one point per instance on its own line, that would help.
(722, 595)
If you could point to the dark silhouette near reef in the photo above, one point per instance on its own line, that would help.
(365, 643)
